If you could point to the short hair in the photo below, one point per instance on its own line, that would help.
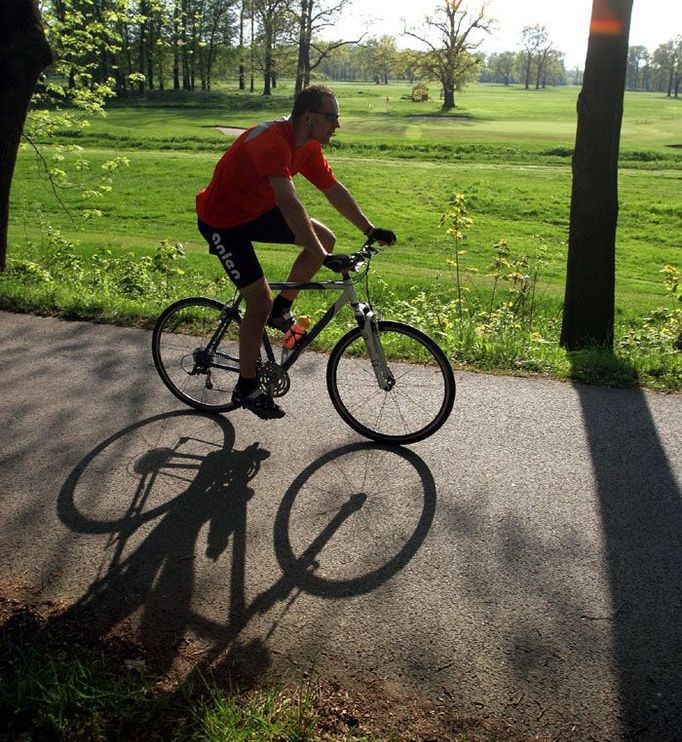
(310, 99)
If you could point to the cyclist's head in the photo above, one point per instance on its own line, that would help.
(311, 99)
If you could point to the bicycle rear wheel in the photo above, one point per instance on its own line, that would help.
(179, 347)
(422, 389)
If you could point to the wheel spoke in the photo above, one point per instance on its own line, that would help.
(183, 329)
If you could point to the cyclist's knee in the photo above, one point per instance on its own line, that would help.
(325, 236)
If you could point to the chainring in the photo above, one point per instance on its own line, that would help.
(273, 378)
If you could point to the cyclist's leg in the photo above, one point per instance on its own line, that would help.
(248, 392)
(272, 227)
(258, 302)
(239, 260)
(306, 265)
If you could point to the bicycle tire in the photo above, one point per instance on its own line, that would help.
(418, 404)
(181, 332)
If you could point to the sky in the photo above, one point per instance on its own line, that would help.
(653, 22)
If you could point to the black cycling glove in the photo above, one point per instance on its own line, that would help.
(338, 263)
(384, 236)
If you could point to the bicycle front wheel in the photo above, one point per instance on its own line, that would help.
(198, 377)
(422, 387)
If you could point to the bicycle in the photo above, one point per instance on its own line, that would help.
(380, 396)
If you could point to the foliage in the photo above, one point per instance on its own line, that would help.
(661, 331)
(107, 275)
(504, 327)
(420, 92)
(476, 326)
(64, 101)
(64, 691)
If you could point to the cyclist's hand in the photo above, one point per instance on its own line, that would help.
(338, 263)
(382, 236)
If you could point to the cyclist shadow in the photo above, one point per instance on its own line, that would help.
(154, 543)
(151, 572)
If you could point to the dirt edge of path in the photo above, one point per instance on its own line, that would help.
(342, 710)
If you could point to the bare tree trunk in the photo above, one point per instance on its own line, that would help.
(590, 282)
(242, 69)
(176, 44)
(448, 96)
(303, 47)
(24, 53)
(267, 72)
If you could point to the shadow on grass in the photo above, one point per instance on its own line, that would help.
(641, 515)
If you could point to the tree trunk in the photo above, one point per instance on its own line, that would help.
(267, 72)
(176, 45)
(590, 282)
(242, 68)
(529, 59)
(268, 43)
(24, 53)
(304, 39)
(448, 97)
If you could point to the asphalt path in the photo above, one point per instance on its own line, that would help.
(524, 563)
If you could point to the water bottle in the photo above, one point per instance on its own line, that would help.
(294, 334)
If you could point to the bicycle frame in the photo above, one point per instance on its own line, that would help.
(363, 314)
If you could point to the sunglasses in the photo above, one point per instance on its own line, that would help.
(331, 117)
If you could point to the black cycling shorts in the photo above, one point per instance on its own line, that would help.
(234, 245)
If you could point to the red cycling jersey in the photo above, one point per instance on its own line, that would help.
(239, 191)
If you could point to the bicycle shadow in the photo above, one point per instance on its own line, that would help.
(152, 567)
(641, 514)
(301, 562)
(196, 483)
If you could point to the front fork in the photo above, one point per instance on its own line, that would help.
(369, 327)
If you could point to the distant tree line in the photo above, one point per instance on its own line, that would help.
(147, 45)
(659, 71)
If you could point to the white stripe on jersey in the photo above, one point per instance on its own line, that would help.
(260, 128)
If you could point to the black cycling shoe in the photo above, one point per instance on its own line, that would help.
(258, 402)
(282, 322)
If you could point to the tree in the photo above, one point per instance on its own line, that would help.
(380, 56)
(270, 15)
(667, 67)
(216, 33)
(24, 53)
(533, 40)
(311, 17)
(638, 59)
(452, 60)
(553, 70)
(544, 58)
(502, 67)
(590, 282)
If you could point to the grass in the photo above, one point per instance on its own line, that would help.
(403, 162)
(81, 693)
(384, 116)
(61, 679)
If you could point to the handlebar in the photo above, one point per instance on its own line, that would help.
(354, 261)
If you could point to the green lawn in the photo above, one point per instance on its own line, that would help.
(381, 114)
(153, 199)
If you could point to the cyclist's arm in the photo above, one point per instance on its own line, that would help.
(340, 198)
(296, 216)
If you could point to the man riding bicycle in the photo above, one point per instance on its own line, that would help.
(251, 197)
